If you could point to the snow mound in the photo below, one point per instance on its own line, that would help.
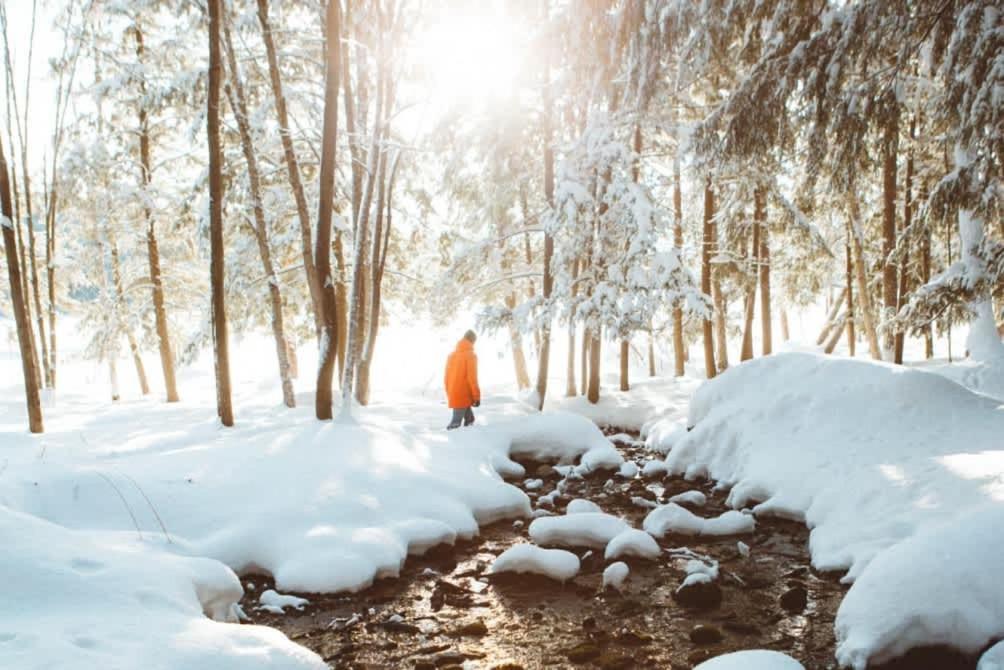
(921, 452)
(582, 506)
(959, 569)
(695, 498)
(653, 469)
(628, 470)
(561, 436)
(632, 542)
(754, 659)
(589, 529)
(108, 600)
(274, 602)
(557, 564)
(615, 575)
(993, 659)
(672, 518)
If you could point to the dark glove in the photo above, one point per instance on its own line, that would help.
(477, 403)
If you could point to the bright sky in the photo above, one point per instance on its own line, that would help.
(43, 91)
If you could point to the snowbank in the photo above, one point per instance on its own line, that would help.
(564, 437)
(107, 600)
(557, 564)
(586, 529)
(630, 410)
(672, 518)
(869, 455)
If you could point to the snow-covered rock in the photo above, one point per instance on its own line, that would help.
(632, 542)
(589, 529)
(993, 659)
(274, 602)
(695, 498)
(654, 469)
(754, 659)
(628, 470)
(557, 564)
(672, 518)
(582, 506)
(615, 575)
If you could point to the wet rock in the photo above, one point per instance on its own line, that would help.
(475, 628)
(424, 664)
(631, 638)
(582, 652)
(699, 656)
(795, 600)
(544, 470)
(448, 658)
(431, 649)
(507, 665)
(394, 626)
(701, 595)
(589, 622)
(613, 661)
(703, 634)
(741, 628)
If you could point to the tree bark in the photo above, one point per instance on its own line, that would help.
(679, 353)
(593, 390)
(747, 349)
(238, 104)
(544, 349)
(890, 286)
(851, 339)
(31, 394)
(925, 277)
(831, 319)
(835, 332)
(760, 214)
(625, 354)
(153, 251)
(710, 369)
(570, 387)
(785, 333)
(587, 339)
(864, 298)
(904, 268)
(314, 283)
(221, 340)
(720, 322)
(326, 289)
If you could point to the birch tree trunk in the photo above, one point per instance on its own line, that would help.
(238, 104)
(328, 313)
(153, 251)
(28, 369)
(221, 340)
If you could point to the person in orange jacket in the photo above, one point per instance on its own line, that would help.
(461, 381)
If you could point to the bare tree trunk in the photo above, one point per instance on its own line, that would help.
(593, 390)
(544, 349)
(570, 387)
(750, 308)
(153, 252)
(120, 305)
(925, 277)
(238, 104)
(835, 332)
(221, 340)
(292, 164)
(587, 339)
(679, 353)
(328, 313)
(785, 333)
(904, 270)
(707, 243)
(831, 319)
(28, 369)
(760, 214)
(851, 338)
(890, 285)
(651, 354)
(864, 299)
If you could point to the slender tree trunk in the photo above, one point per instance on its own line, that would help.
(851, 339)
(720, 322)
(890, 285)
(238, 104)
(835, 333)
(747, 350)
(544, 350)
(314, 283)
(595, 349)
(904, 269)
(785, 333)
(831, 319)
(28, 369)
(710, 368)
(221, 340)
(925, 277)
(625, 355)
(570, 387)
(679, 351)
(651, 353)
(864, 298)
(760, 214)
(120, 305)
(153, 251)
(50, 270)
(328, 312)
(587, 339)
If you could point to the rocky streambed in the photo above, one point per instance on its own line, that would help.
(446, 611)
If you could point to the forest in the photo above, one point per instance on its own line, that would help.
(757, 244)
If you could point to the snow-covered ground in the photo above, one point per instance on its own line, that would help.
(898, 472)
(129, 520)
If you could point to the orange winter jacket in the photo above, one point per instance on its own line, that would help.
(461, 378)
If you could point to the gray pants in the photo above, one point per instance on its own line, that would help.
(465, 414)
